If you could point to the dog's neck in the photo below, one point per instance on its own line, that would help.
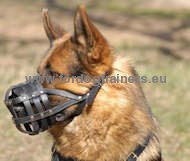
(111, 128)
(134, 156)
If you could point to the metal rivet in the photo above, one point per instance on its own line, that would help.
(33, 95)
(8, 103)
(88, 94)
(24, 97)
(59, 117)
(41, 91)
(79, 97)
(18, 108)
(42, 114)
(50, 111)
(32, 117)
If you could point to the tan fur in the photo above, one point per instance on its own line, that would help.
(111, 129)
(119, 118)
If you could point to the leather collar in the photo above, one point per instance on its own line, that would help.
(133, 156)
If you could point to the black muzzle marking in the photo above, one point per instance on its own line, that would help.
(32, 111)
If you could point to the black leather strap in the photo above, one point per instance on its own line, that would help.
(32, 111)
(47, 113)
(57, 157)
(93, 92)
(62, 93)
(132, 157)
(86, 101)
(138, 150)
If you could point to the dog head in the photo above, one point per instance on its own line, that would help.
(85, 53)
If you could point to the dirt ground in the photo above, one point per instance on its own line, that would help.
(158, 42)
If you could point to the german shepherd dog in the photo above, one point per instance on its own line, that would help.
(119, 120)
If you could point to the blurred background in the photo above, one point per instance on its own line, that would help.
(155, 33)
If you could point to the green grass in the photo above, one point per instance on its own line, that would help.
(159, 13)
(170, 101)
(134, 10)
(112, 6)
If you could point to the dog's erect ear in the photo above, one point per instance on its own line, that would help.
(92, 47)
(53, 30)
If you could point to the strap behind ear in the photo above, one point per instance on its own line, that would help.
(53, 30)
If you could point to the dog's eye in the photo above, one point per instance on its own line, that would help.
(55, 74)
(48, 65)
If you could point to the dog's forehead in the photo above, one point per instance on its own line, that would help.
(60, 53)
(45, 59)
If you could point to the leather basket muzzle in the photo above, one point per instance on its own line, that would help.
(30, 107)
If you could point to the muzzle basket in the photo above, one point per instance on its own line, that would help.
(26, 100)
(32, 111)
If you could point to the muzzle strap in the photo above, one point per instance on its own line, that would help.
(32, 112)
(93, 92)
(34, 125)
